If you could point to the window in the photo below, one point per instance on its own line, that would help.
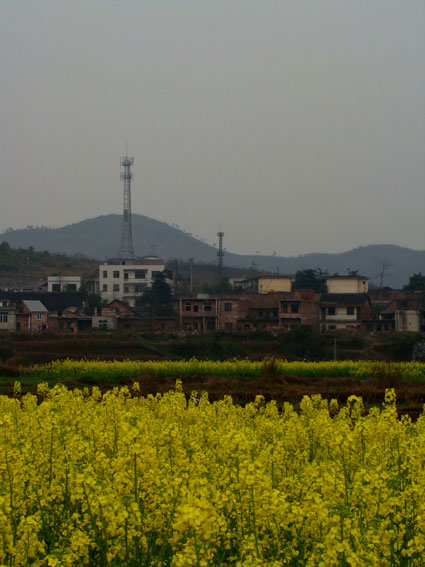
(294, 308)
(155, 274)
(196, 308)
(140, 274)
(72, 287)
(116, 287)
(284, 308)
(56, 287)
(126, 289)
(105, 287)
(227, 306)
(275, 313)
(116, 274)
(188, 307)
(38, 316)
(126, 275)
(103, 324)
(105, 273)
(3, 317)
(331, 311)
(350, 310)
(208, 306)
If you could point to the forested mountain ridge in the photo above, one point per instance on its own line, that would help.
(100, 237)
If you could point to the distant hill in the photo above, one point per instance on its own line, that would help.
(100, 238)
(21, 266)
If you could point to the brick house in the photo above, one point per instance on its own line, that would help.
(117, 314)
(211, 313)
(264, 311)
(64, 309)
(397, 310)
(404, 313)
(32, 316)
(232, 313)
(301, 307)
(197, 314)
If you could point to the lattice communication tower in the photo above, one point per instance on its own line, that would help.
(220, 253)
(126, 250)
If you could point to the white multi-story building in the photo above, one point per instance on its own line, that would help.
(128, 279)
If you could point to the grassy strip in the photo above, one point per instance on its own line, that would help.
(129, 369)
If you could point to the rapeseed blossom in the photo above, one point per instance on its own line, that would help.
(115, 479)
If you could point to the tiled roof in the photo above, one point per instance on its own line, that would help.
(52, 301)
(35, 306)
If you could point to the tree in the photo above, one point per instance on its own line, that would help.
(93, 302)
(416, 283)
(310, 279)
(157, 298)
(384, 267)
(221, 287)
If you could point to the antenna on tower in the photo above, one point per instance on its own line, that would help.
(220, 253)
(126, 250)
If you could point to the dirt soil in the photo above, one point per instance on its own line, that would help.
(287, 388)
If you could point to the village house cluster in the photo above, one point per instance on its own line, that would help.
(262, 303)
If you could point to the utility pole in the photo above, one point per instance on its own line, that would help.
(191, 274)
(176, 273)
(220, 253)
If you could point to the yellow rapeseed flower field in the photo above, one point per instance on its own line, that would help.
(120, 480)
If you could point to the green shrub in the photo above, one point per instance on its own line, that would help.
(5, 351)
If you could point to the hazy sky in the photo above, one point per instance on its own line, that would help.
(299, 125)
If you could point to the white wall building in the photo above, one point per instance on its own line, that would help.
(128, 279)
(266, 284)
(407, 320)
(7, 315)
(63, 283)
(347, 284)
